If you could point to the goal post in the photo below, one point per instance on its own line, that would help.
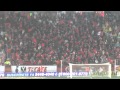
(61, 67)
(90, 70)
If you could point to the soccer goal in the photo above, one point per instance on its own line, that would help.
(90, 70)
(117, 67)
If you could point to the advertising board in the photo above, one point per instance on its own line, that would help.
(21, 69)
(40, 74)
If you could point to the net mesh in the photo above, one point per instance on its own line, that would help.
(90, 70)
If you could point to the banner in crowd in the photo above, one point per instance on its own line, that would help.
(20, 69)
(42, 74)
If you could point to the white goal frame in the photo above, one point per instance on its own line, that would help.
(109, 68)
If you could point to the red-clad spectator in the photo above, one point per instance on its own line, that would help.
(13, 56)
(42, 35)
(78, 59)
(110, 60)
(101, 13)
(39, 62)
(29, 30)
(20, 25)
(95, 51)
(58, 62)
(21, 62)
(17, 56)
(8, 50)
(42, 44)
(38, 55)
(90, 54)
(34, 40)
(28, 16)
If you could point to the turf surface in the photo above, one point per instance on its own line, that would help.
(113, 77)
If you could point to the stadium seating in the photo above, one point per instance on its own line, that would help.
(37, 38)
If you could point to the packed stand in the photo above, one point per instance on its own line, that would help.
(37, 38)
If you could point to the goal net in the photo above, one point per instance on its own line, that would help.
(90, 70)
(117, 67)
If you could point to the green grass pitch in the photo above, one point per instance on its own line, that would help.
(113, 77)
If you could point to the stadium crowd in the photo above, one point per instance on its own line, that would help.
(36, 38)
